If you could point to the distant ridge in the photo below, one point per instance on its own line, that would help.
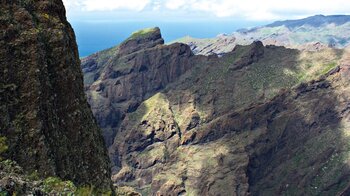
(315, 21)
(311, 33)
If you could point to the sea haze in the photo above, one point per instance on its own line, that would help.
(95, 36)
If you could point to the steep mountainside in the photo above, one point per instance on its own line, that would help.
(117, 80)
(251, 122)
(46, 125)
(312, 33)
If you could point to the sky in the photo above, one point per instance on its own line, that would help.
(100, 24)
(185, 10)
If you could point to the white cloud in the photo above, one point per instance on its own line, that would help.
(102, 5)
(156, 5)
(248, 9)
(174, 4)
(72, 3)
(106, 5)
(268, 9)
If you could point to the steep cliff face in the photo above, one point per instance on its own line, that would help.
(234, 125)
(44, 116)
(119, 79)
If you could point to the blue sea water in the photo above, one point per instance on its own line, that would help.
(96, 36)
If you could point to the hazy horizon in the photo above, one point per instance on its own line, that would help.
(101, 24)
(94, 37)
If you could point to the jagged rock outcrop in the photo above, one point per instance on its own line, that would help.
(119, 79)
(225, 125)
(255, 52)
(44, 115)
(147, 38)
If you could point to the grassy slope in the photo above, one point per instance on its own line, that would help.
(211, 89)
(279, 69)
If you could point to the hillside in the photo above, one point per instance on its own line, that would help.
(50, 143)
(312, 33)
(260, 120)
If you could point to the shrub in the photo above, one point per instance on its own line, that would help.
(53, 185)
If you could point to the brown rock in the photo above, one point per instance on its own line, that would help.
(212, 130)
(140, 68)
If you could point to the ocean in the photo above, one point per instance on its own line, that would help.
(96, 36)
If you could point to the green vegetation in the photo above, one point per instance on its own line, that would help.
(3, 146)
(85, 190)
(56, 185)
(48, 186)
(199, 42)
(323, 164)
(328, 67)
(34, 176)
(92, 191)
(142, 33)
(157, 152)
(126, 191)
(268, 76)
(157, 102)
(104, 55)
(47, 16)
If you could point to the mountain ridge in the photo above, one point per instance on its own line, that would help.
(311, 33)
(316, 21)
(191, 137)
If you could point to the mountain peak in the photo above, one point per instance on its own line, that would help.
(144, 33)
(142, 39)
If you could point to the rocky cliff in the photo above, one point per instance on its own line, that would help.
(250, 122)
(46, 124)
(119, 79)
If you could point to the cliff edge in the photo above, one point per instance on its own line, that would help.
(45, 121)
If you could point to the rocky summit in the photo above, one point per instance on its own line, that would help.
(47, 131)
(117, 80)
(258, 120)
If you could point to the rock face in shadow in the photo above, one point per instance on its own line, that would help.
(44, 115)
(248, 123)
(303, 149)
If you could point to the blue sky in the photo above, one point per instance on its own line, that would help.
(100, 24)
(185, 10)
